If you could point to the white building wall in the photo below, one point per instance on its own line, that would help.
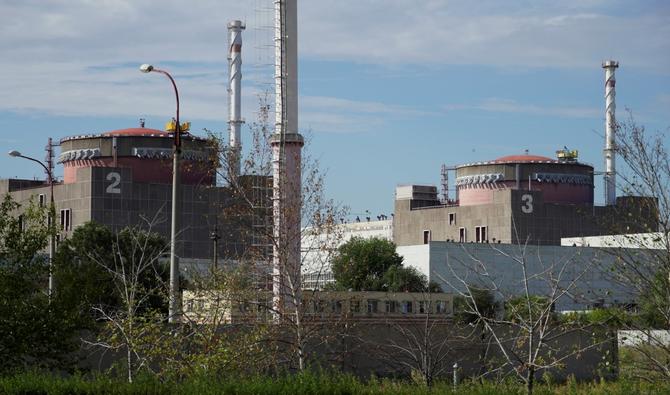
(318, 248)
(418, 257)
(654, 240)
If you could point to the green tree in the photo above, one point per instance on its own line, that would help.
(520, 309)
(81, 282)
(404, 279)
(482, 298)
(34, 333)
(374, 265)
(138, 280)
(645, 271)
(86, 263)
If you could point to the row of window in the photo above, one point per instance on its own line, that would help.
(374, 306)
(65, 214)
(481, 235)
(369, 306)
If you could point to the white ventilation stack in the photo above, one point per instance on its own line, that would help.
(286, 145)
(235, 120)
(610, 131)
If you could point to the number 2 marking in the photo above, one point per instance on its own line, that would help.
(116, 180)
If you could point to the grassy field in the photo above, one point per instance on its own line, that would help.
(302, 384)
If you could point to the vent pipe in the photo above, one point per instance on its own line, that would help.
(610, 130)
(235, 120)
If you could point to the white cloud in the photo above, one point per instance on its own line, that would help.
(512, 106)
(485, 32)
(79, 57)
(332, 114)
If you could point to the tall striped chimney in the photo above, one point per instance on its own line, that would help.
(610, 130)
(235, 120)
(286, 145)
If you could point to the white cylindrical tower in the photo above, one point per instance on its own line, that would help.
(286, 145)
(235, 120)
(610, 130)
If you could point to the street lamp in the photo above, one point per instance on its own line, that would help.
(174, 313)
(215, 237)
(52, 212)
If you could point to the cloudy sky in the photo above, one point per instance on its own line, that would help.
(389, 89)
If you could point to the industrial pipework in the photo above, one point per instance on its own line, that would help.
(235, 120)
(610, 130)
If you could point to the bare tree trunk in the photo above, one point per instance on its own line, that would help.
(129, 355)
(530, 380)
(299, 340)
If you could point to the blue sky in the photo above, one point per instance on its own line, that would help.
(389, 89)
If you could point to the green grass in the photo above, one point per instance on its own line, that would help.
(308, 383)
(636, 362)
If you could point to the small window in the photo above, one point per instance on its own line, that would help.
(452, 218)
(66, 219)
(480, 234)
(424, 307)
(407, 307)
(355, 306)
(440, 307)
(390, 306)
(336, 306)
(318, 306)
(426, 236)
(373, 306)
(41, 200)
(462, 235)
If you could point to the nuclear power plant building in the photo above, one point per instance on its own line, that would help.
(123, 178)
(525, 199)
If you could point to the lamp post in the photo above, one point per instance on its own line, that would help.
(174, 309)
(214, 236)
(52, 212)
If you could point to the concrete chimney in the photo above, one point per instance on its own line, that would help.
(286, 145)
(610, 131)
(235, 120)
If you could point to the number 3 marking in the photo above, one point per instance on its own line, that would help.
(527, 208)
(116, 180)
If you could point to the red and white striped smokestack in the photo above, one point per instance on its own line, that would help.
(286, 145)
(610, 131)
(235, 120)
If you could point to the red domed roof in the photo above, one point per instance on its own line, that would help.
(524, 158)
(136, 132)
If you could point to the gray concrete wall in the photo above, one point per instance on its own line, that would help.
(97, 196)
(365, 350)
(499, 267)
(520, 216)
(409, 225)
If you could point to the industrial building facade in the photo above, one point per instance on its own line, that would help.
(516, 199)
(123, 178)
